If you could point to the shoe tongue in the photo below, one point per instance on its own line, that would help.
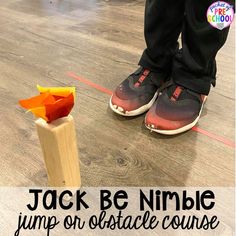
(145, 77)
(183, 93)
(137, 74)
(141, 76)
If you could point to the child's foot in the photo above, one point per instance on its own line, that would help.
(176, 110)
(136, 94)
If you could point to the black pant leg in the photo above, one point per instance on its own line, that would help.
(194, 66)
(162, 27)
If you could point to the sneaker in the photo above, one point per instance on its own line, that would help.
(136, 94)
(176, 110)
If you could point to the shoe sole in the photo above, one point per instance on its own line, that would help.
(180, 130)
(139, 111)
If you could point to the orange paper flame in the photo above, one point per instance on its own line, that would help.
(52, 103)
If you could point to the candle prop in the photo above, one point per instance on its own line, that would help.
(56, 132)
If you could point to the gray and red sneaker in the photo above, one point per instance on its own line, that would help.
(176, 110)
(136, 94)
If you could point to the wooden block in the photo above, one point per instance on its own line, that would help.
(59, 146)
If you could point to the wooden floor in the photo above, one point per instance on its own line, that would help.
(41, 41)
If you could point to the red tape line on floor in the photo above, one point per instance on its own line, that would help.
(213, 136)
(195, 128)
(90, 83)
